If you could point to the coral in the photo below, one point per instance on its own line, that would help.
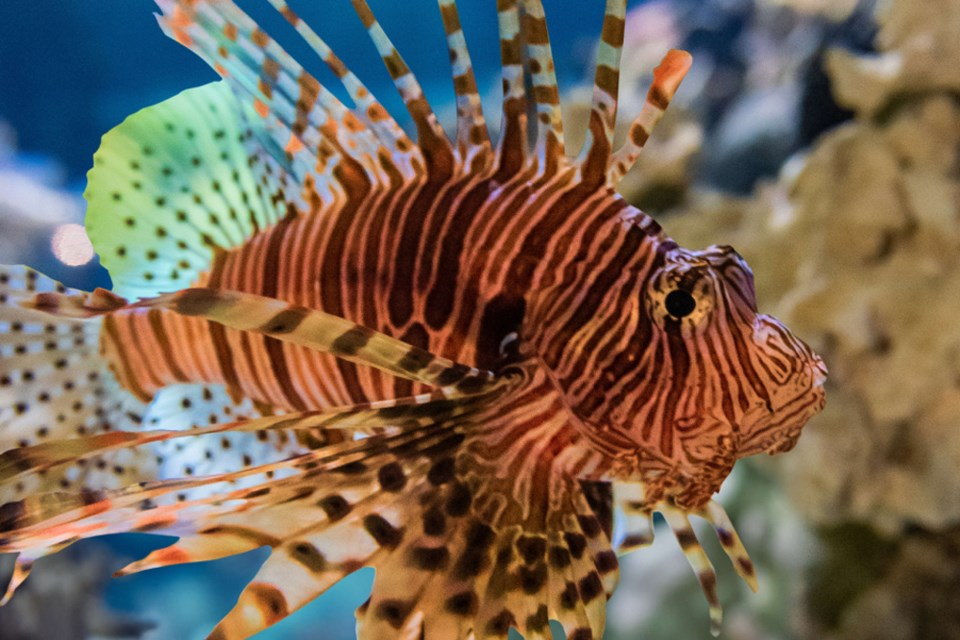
(830, 9)
(917, 45)
(856, 248)
(913, 597)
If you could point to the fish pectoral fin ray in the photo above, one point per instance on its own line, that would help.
(636, 525)
(283, 436)
(283, 321)
(714, 513)
(321, 331)
(699, 561)
(636, 530)
(456, 571)
(56, 385)
(343, 509)
(249, 506)
(498, 537)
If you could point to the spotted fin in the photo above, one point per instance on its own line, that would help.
(174, 184)
(349, 477)
(417, 500)
(54, 384)
(191, 408)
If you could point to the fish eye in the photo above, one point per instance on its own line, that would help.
(680, 303)
(681, 297)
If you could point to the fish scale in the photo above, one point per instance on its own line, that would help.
(445, 359)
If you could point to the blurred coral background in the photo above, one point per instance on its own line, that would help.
(818, 137)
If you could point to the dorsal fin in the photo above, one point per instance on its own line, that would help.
(406, 155)
(430, 135)
(666, 80)
(598, 143)
(307, 121)
(543, 79)
(472, 134)
(512, 143)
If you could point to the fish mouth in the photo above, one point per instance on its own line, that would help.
(819, 369)
(777, 429)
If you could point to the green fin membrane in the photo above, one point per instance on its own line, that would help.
(175, 183)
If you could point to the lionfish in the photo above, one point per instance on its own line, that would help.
(450, 360)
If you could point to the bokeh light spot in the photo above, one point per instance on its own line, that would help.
(71, 245)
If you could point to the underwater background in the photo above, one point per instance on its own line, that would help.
(820, 138)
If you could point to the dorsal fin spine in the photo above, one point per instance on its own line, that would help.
(367, 107)
(550, 145)
(666, 80)
(472, 134)
(430, 133)
(232, 42)
(512, 143)
(291, 79)
(603, 110)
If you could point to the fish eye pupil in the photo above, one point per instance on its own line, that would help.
(680, 304)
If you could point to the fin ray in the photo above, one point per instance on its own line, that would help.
(543, 78)
(164, 196)
(430, 135)
(603, 110)
(321, 331)
(666, 80)
(472, 134)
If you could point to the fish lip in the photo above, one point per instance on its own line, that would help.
(782, 437)
(820, 371)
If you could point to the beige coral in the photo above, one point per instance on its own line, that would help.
(859, 253)
(831, 9)
(919, 45)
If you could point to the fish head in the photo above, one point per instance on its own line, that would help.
(677, 364)
(747, 373)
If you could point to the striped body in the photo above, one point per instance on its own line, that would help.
(392, 262)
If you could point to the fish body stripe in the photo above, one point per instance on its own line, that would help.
(354, 281)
